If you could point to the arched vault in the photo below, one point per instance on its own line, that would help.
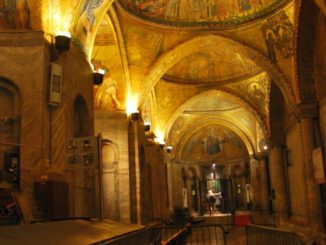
(173, 56)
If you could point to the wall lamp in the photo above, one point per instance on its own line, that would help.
(98, 76)
(134, 116)
(168, 149)
(62, 41)
(160, 142)
(147, 126)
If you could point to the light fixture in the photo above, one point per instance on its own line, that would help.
(160, 142)
(147, 126)
(62, 41)
(265, 145)
(98, 76)
(134, 116)
(169, 149)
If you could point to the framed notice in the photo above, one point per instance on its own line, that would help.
(55, 84)
(318, 164)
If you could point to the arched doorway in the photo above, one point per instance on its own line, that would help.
(9, 135)
(111, 197)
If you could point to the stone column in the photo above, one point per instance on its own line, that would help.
(313, 192)
(263, 184)
(169, 180)
(278, 181)
(255, 184)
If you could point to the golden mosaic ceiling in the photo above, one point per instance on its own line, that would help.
(197, 12)
(214, 142)
(211, 64)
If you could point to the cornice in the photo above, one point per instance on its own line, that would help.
(21, 38)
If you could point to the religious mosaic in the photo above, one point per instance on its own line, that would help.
(212, 141)
(14, 14)
(278, 34)
(211, 64)
(198, 11)
(256, 90)
(143, 47)
(88, 14)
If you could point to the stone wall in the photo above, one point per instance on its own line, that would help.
(113, 127)
(25, 61)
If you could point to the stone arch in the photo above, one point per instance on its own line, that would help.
(306, 57)
(211, 93)
(248, 142)
(106, 10)
(173, 56)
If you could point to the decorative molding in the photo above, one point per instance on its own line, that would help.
(301, 111)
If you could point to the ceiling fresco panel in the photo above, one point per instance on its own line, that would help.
(213, 143)
(194, 12)
(210, 65)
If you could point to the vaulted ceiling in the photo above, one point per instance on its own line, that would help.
(182, 60)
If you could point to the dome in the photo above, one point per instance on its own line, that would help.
(197, 12)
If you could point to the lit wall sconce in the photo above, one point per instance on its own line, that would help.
(62, 41)
(265, 145)
(147, 126)
(168, 149)
(160, 142)
(134, 116)
(98, 77)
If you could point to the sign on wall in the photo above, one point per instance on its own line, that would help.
(318, 164)
(55, 84)
(83, 151)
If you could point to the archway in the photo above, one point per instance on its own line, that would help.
(173, 56)
(9, 135)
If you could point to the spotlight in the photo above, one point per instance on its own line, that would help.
(62, 41)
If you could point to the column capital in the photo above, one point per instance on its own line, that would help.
(302, 111)
(305, 110)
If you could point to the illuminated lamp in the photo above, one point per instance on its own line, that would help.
(265, 145)
(134, 116)
(168, 149)
(62, 41)
(98, 77)
(147, 126)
